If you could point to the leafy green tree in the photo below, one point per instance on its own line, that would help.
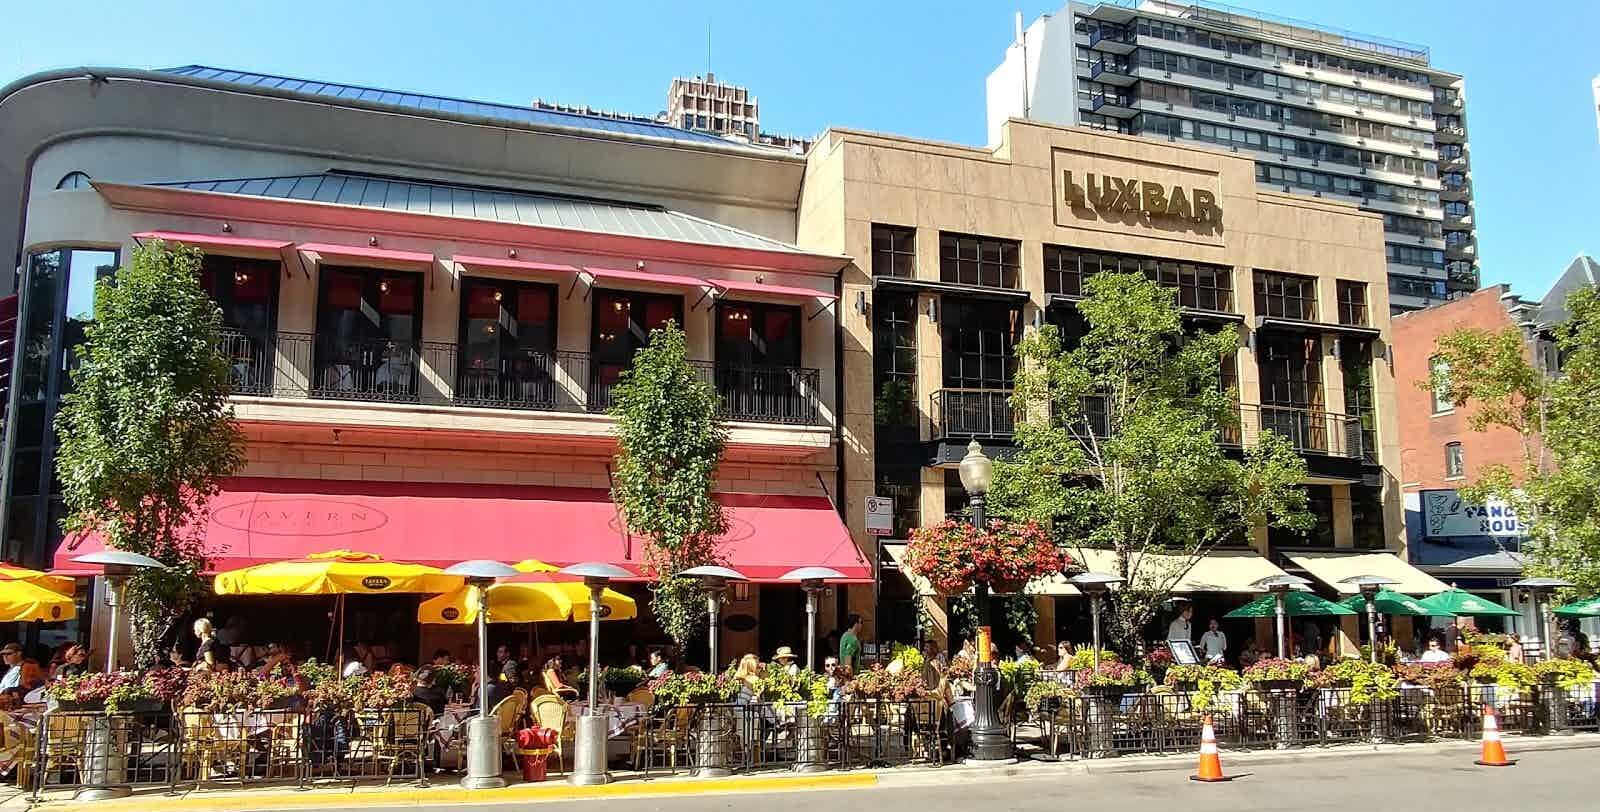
(670, 442)
(1552, 487)
(146, 434)
(1118, 446)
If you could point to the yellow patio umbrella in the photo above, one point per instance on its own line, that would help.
(65, 584)
(338, 573)
(22, 601)
(540, 595)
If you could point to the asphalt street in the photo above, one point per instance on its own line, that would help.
(1547, 781)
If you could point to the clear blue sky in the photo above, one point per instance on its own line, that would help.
(911, 68)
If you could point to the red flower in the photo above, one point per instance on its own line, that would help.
(955, 556)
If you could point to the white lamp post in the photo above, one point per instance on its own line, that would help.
(1095, 585)
(1542, 589)
(1370, 586)
(813, 580)
(589, 764)
(713, 581)
(483, 731)
(117, 566)
(1279, 586)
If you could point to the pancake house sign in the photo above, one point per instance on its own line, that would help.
(1114, 196)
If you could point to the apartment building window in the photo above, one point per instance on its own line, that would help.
(1440, 372)
(1291, 370)
(894, 359)
(1319, 503)
(1198, 285)
(1455, 466)
(901, 483)
(980, 339)
(1352, 302)
(894, 251)
(970, 260)
(1286, 296)
(1457, 208)
(1366, 517)
(1355, 366)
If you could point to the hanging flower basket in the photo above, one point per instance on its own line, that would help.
(1005, 556)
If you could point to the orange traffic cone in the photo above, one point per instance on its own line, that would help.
(1494, 753)
(1210, 765)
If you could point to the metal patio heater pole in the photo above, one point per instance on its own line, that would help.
(1369, 586)
(483, 730)
(1279, 586)
(594, 727)
(813, 580)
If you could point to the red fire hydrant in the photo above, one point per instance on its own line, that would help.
(533, 749)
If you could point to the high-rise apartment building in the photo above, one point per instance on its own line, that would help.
(707, 105)
(1324, 112)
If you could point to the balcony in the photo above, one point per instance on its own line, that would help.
(1114, 39)
(1311, 432)
(1459, 222)
(1112, 72)
(1450, 134)
(1113, 104)
(302, 366)
(972, 413)
(1464, 249)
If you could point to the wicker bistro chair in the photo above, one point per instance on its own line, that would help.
(552, 713)
(402, 740)
(205, 745)
(662, 735)
(60, 743)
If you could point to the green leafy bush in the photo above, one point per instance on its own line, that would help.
(1275, 669)
(1368, 682)
(1567, 674)
(1210, 682)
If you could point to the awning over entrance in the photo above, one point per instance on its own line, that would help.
(1219, 571)
(1331, 568)
(260, 520)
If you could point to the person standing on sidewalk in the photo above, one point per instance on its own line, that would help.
(850, 644)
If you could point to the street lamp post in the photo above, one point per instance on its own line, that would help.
(1541, 589)
(1279, 586)
(713, 581)
(483, 731)
(813, 580)
(1370, 585)
(593, 729)
(117, 566)
(1095, 585)
(104, 772)
(989, 741)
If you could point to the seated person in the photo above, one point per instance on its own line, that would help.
(500, 688)
(74, 662)
(426, 693)
(442, 657)
(555, 683)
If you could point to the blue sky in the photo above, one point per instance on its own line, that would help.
(911, 68)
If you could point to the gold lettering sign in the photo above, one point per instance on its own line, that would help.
(1113, 195)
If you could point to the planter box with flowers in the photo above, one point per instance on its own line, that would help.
(1203, 683)
(1368, 682)
(222, 692)
(1112, 679)
(116, 692)
(1004, 556)
(1274, 673)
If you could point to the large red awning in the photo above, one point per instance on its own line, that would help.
(259, 520)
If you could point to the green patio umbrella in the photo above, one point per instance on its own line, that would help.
(1295, 604)
(1583, 608)
(1458, 602)
(1388, 602)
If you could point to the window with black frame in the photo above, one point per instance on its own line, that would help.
(758, 372)
(1366, 517)
(980, 339)
(1197, 285)
(894, 251)
(1286, 296)
(894, 360)
(369, 332)
(1355, 366)
(1290, 367)
(984, 261)
(246, 291)
(1319, 503)
(506, 351)
(1352, 302)
(621, 326)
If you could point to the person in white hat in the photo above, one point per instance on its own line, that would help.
(784, 658)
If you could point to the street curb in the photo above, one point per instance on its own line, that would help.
(248, 801)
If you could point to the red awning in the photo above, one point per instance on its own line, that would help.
(259, 520)
(512, 264)
(367, 254)
(222, 243)
(669, 279)
(786, 291)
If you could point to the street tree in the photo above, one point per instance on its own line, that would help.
(146, 434)
(670, 442)
(1119, 446)
(1557, 418)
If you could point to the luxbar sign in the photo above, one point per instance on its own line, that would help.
(1113, 195)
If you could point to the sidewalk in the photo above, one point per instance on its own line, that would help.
(446, 792)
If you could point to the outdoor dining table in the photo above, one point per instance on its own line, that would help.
(622, 716)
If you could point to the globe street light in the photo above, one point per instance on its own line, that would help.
(1095, 585)
(117, 566)
(483, 731)
(813, 580)
(713, 581)
(589, 765)
(1370, 586)
(1279, 586)
(1542, 589)
(989, 740)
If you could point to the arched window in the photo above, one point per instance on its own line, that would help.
(73, 180)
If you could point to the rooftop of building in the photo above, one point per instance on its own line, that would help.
(1581, 272)
(1257, 23)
